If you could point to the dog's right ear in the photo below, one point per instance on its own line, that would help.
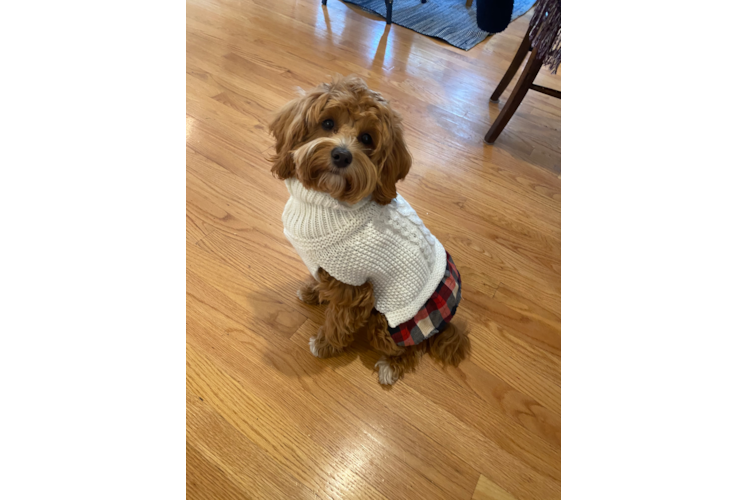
(287, 128)
(396, 165)
(291, 126)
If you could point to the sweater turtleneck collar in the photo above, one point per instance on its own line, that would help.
(297, 190)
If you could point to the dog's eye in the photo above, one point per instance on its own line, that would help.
(328, 124)
(365, 139)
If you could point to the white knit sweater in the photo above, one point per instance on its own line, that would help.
(386, 245)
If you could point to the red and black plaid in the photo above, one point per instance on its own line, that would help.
(433, 317)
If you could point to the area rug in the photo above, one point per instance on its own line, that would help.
(450, 20)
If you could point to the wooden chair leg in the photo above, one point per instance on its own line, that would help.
(520, 91)
(524, 47)
(388, 3)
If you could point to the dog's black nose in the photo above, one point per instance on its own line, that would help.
(341, 157)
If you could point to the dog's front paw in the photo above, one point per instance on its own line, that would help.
(321, 348)
(308, 295)
(387, 375)
(313, 346)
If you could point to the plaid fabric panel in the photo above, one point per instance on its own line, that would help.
(433, 317)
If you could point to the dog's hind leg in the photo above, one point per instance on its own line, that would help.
(392, 368)
(395, 360)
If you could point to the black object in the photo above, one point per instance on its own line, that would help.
(494, 15)
(341, 157)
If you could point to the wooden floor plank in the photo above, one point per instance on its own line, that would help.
(206, 481)
(240, 460)
(488, 490)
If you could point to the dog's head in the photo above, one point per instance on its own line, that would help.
(343, 139)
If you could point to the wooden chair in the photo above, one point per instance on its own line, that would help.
(525, 83)
(387, 3)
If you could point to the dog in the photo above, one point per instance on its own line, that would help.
(340, 150)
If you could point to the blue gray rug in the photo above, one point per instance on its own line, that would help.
(449, 20)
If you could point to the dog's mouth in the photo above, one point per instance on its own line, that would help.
(317, 168)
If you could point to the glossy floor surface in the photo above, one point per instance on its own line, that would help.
(265, 419)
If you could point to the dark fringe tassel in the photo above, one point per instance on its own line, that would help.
(545, 32)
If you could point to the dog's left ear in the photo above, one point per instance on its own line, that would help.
(396, 166)
(290, 126)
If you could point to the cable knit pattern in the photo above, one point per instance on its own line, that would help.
(387, 246)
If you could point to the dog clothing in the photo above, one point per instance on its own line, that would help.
(435, 314)
(387, 246)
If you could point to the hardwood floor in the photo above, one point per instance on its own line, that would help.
(265, 419)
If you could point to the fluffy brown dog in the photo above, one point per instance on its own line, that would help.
(344, 139)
